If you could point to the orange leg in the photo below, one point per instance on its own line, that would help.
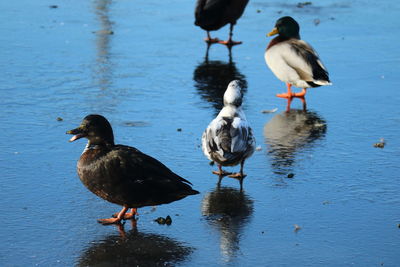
(290, 94)
(116, 220)
(210, 40)
(302, 94)
(128, 215)
(230, 42)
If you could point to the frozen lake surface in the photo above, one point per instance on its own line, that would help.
(142, 65)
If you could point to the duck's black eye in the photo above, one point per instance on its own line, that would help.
(87, 124)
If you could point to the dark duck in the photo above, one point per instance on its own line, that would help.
(122, 174)
(294, 61)
(212, 15)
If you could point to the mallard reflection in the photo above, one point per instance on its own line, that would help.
(135, 249)
(211, 78)
(289, 132)
(228, 210)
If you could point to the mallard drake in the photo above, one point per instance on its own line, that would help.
(294, 61)
(211, 15)
(228, 139)
(122, 174)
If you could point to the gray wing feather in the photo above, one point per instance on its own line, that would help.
(310, 56)
(242, 136)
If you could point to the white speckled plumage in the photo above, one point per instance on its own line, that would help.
(228, 139)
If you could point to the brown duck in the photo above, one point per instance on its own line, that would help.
(122, 174)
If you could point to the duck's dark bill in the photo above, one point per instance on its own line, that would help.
(77, 134)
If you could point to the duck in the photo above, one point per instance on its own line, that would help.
(123, 175)
(228, 140)
(293, 60)
(212, 15)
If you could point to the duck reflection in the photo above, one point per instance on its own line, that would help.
(228, 210)
(291, 131)
(135, 249)
(211, 78)
(103, 67)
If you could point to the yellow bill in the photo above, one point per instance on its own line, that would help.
(273, 32)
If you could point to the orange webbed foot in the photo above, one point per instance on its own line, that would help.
(290, 95)
(211, 40)
(230, 43)
(221, 173)
(128, 215)
(109, 221)
(238, 175)
(301, 94)
(285, 95)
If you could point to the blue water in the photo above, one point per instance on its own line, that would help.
(142, 65)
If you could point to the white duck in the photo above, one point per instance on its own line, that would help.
(228, 139)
